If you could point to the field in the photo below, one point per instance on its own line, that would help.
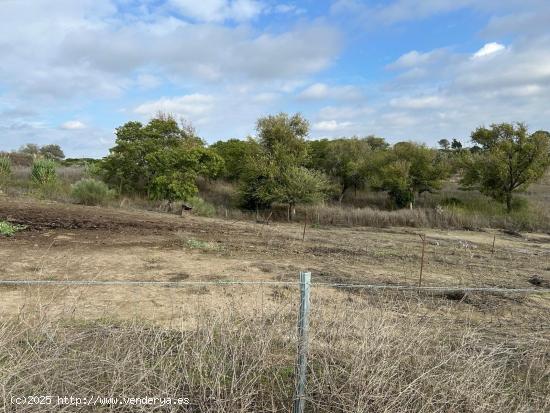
(370, 350)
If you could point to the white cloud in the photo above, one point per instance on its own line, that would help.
(191, 107)
(489, 49)
(287, 8)
(219, 10)
(415, 58)
(344, 112)
(73, 124)
(331, 126)
(418, 102)
(320, 91)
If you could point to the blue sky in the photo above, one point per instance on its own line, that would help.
(72, 71)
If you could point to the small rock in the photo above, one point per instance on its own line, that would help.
(536, 279)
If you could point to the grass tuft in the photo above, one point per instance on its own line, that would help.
(8, 229)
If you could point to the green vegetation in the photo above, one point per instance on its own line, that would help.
(8, 229)
(160, 160)
(91, 192)
(409, 170)
(201, 207)
(281, 172)
(275, 172)
(43, 172)
(53, 152)
(5, 171)
(510, 159)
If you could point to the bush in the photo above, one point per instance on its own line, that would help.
(91, 192)
(43, 172)
(5, 170)
(201, 207)
(9, 229)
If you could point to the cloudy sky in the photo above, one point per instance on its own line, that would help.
(72, 71)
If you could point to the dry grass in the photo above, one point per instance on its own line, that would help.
(367, 354)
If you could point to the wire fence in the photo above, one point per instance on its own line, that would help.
(184, 284)
(238, 345)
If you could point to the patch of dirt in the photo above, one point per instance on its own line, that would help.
(51, 215)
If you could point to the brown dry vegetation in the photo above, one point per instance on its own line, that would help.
(232, 348)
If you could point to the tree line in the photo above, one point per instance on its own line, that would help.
(163, 159)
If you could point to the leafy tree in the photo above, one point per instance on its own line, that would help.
(282, 137)
(281, 146)
(161, 159)
(509, 160)
(456, 145)
(52, 152)
(345, 160)
(408, 170)
(234, 152)
(177, 170)
(444, 144)
(299, 185)
(30, 149)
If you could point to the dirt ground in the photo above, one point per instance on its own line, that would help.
(70, 242)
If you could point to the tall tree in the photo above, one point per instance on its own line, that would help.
(345, 160)
(161, 159)
(275, 172)
(456, 145)
(234, 153)
(408, 170)
(509, 160)
(53, 152)
(444, 144)
(282, 138)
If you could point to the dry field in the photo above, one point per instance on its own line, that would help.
(371, 351)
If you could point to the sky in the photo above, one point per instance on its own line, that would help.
(422, 70)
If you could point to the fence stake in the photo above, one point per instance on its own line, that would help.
(423, 238)
(303, 334)
(494, 239)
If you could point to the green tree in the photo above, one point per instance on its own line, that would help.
(509, 160)
(281, 146)
(456, 145)
(444, 144)
(160, 160)
(30, 149)
(53, 152)
(177, 170)
(282, 137)
(299, 185)
(345, 160)
(234, 152)
(408, 170)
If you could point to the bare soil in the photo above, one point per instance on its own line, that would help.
(64, 241)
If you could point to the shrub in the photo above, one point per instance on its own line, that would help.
(9, 229)
(5, 170)
(43, 172)
(201, 207)
(91, 192)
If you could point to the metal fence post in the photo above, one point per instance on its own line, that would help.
(303, 335)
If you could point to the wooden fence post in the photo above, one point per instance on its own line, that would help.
(303, 335)
(494, 239)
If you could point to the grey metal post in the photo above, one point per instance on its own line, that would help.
(303, 335)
